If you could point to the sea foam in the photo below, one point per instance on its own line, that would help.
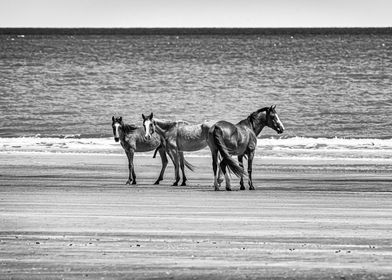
(285, 147)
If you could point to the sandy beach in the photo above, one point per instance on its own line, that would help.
(71, 216)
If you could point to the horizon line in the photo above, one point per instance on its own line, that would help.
(188, 27)
(193, 30)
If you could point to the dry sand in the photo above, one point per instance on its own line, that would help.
(71, 216)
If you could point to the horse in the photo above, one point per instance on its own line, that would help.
(239, 139)
(178, 137)
(132, 140)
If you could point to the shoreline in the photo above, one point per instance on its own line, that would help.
(311, 160)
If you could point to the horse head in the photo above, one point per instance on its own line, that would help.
(273, 120)
(116, 125)
(148, 124)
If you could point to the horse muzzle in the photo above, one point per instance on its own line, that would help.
(279, 130)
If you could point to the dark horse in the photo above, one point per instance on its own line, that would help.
(132, 140)
(240, 139)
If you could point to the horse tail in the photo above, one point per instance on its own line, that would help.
(226, 158)
(189, 165)
(156, 150)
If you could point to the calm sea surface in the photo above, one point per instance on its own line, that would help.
(324, 86)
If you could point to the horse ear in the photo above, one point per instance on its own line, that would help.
(151, 116)
(144, 118)
(112, 118)
(274, 107)
(120, 119)
(270, 109)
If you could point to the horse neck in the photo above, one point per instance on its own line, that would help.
(259, 123)
(256, 124)
(126, 129)
(257, 129)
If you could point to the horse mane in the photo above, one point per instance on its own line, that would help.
(256, 113)
(129, 127)
(252, 117)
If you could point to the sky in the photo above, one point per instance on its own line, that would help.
(195, 13)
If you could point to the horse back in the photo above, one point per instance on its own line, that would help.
(236, 138)
(191, 137)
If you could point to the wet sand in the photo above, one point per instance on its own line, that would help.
(67, 216)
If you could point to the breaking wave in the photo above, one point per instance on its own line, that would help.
(303, 147)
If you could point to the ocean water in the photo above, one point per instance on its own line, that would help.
(333, 90)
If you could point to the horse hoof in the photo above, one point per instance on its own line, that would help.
(216, 189)
(128, 182)
(183, 184)
(175, 184)
(242, 188)
(134, 183)
(251, 188)
(156, 182)
(228, 189)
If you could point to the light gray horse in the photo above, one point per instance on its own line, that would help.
(178, 137)
(132, 140)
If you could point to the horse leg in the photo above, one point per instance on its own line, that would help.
(240, 160)
(164, 160)
(227, 178)
(174, 157)
(130, 166)
(181, 155)
(250, 161)
(133, 173)
(176, 168)
(132, 153)
(220, 176)
(214, 168)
